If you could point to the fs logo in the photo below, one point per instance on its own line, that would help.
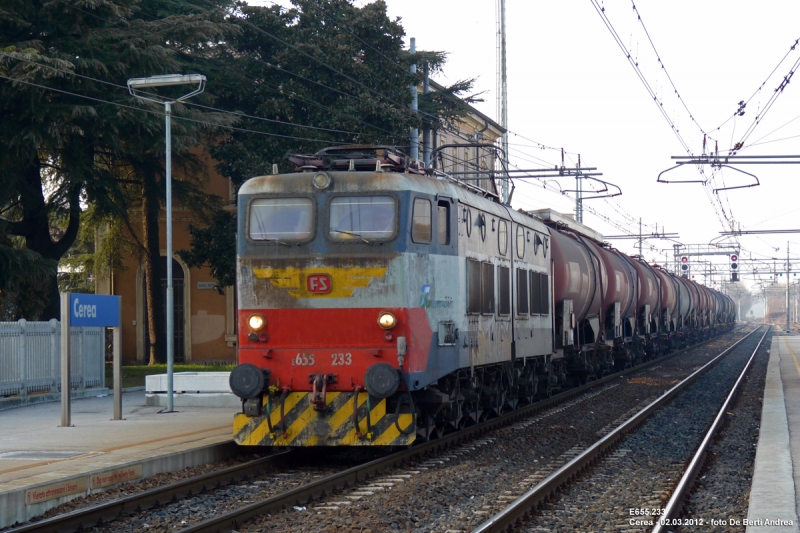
(319, 283)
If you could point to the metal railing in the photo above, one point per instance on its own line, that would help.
(30, 357)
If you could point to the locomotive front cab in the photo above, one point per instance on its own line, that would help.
(329, 329)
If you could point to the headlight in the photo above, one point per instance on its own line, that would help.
(256, 322)
(321, 181)
(387, 320)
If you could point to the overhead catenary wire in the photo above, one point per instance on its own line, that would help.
(125, 88)
(175, 117)
(664, 67)
(660, 105)
(739, 111)
(760, 116)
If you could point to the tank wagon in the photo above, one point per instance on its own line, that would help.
(380, 305)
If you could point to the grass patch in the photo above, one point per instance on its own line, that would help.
(134, 375)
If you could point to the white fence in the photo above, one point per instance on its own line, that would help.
(30, 357)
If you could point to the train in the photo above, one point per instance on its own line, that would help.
(382, 304)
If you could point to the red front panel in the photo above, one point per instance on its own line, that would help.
(343, 342)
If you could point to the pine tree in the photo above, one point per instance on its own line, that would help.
(63, 152)
(320, 74)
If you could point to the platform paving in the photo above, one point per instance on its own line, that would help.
(43, 465)
(774, 495)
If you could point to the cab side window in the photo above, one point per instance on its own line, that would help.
(421, 221)
(504, 290)
(522, 292)
(443, 222)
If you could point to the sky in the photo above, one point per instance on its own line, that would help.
(571, 86)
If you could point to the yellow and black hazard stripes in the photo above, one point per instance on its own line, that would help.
(335, 426)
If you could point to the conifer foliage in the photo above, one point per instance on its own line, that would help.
(73, 137)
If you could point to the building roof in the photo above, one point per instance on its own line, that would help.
(438, 87)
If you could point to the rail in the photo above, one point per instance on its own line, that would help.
(233, 521)
(514, 513)
(684, 486)
(84, 519)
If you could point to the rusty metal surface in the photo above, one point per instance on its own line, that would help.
(576, 276)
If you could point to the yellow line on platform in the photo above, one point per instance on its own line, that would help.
(796, 364)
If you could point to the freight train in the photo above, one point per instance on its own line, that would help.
(380, 304)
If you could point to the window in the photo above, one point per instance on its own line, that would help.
(535, 293)
(281, 219)
(473, 286)
(480, 287)
(443, 222)
(522, 292)
(360, 218)
(487, 288)
(502, 237)
(544, 294)
(520, 242)
(540, 298)
(421, 221)
(504, 290)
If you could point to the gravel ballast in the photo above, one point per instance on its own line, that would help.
(455, 490)
(461, 488)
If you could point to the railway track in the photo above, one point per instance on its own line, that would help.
(670, 516)
(300, 495)
(594, 481)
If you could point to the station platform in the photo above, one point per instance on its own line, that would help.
(775, 491)
(43, 465)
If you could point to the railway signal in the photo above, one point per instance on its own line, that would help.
(734, 267)
(684, 265)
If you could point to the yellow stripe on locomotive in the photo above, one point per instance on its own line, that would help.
(294, 421)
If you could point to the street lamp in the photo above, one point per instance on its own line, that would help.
(163, 81)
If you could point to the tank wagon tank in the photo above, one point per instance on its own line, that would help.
(380, 305)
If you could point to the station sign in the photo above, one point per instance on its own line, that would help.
(94, 310)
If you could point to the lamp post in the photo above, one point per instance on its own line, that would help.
(163, 81)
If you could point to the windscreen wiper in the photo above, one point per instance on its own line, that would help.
(276, 241)
(353, 234)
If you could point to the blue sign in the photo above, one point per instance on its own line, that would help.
(94, 310)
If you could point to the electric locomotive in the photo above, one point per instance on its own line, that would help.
(380, 304)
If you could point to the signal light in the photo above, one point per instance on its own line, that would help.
(734, 262)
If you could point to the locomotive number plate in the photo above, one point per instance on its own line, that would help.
(303, 359)
(341, 359)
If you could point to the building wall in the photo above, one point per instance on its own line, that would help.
(209, 317)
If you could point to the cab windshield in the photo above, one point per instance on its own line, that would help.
(281, 219)
(363, 218)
